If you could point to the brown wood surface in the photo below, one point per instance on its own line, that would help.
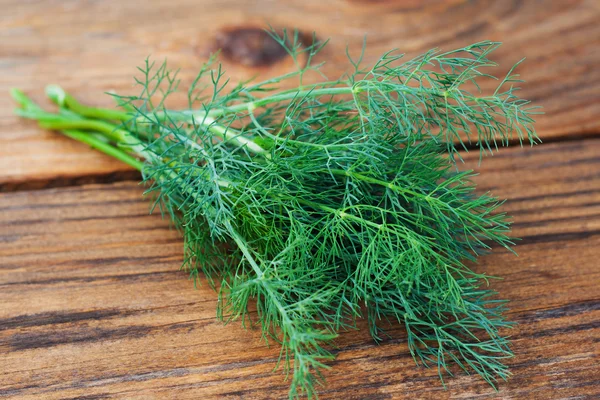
(92, 305)
(91, 47)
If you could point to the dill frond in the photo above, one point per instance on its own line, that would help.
(329, 202)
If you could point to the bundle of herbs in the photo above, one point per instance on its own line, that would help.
(328, 202)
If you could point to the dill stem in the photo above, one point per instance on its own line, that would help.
(121, 137)
(110, 131)
(103, 147)
(71, 125)
(59, 96)
(96, 112)
(284, 96)
(375, 181)
(230, 134)
(205, 119)
(63, 99)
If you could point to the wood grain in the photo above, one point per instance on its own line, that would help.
(91, 47)
(93, 305)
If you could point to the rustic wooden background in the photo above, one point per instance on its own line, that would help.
(92, 304)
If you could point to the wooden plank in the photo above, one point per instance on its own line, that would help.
(93, 304)
(92, 47)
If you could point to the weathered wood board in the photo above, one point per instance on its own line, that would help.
(92, 304)
(91, 47)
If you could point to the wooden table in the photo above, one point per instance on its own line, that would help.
(92, 304)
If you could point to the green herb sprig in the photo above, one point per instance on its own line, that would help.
(330, 201)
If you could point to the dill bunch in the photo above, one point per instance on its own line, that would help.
(328, 202)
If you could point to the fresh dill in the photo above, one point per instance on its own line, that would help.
(330, 201)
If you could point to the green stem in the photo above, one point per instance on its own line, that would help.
(241, 243)
(70, 126)
(368, 179)
(63, 99)
(110, 131)
(206, 119)
(290, 95)
(121, 137)
(233, 135)
(60, 97)
(104, 147)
